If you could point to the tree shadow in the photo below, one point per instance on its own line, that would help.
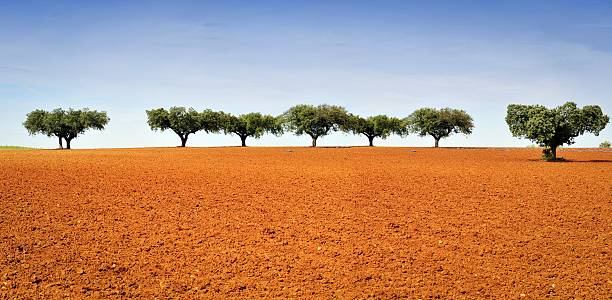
(591, 161)
(573, 161)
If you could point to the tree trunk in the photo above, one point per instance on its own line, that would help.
(371, 140)
(553, 150)
(183, 141)
(243, 139)
(68, 143)
(314, 141)
(437, 142)
(61, 143)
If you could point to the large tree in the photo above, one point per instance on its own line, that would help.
(439, 123)
(251, 125)
(551, 128)
(315, 121)
(376, 126)
(64, 124)
(184, 122)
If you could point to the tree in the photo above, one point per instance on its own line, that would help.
(552, 128)
(251, 125)
(377, 126)
(315, 121)
(184, 122)
(439, 123)
(605, 144)
(37, 122)
(64, 124)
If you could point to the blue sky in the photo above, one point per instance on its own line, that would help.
(372, 57)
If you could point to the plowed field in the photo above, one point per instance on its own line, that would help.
(302, 222)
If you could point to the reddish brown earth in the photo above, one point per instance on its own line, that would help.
(301, 222)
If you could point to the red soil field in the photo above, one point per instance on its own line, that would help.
(303, 222)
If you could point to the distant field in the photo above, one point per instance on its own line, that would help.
(304, 222)
(15, 148)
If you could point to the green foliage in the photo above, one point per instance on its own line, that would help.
(37, 122)
(64, 124)
(548, 155)
(605, 144)
(185, 122)
(372, 127)
(315, 121)
(439, 123)
(552, 128)
(16, 148)
(251, 125)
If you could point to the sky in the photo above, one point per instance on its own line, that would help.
(372, 57)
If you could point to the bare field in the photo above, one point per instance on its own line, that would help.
(303, 222)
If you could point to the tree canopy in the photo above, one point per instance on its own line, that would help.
(251, 125)
(315, 121)
(64, 124)
(554, 127)
(376, 126)
(439, 123)
(184, 122)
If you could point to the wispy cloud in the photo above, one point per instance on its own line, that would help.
(212, 24)
(13, 68)
(593, 26)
